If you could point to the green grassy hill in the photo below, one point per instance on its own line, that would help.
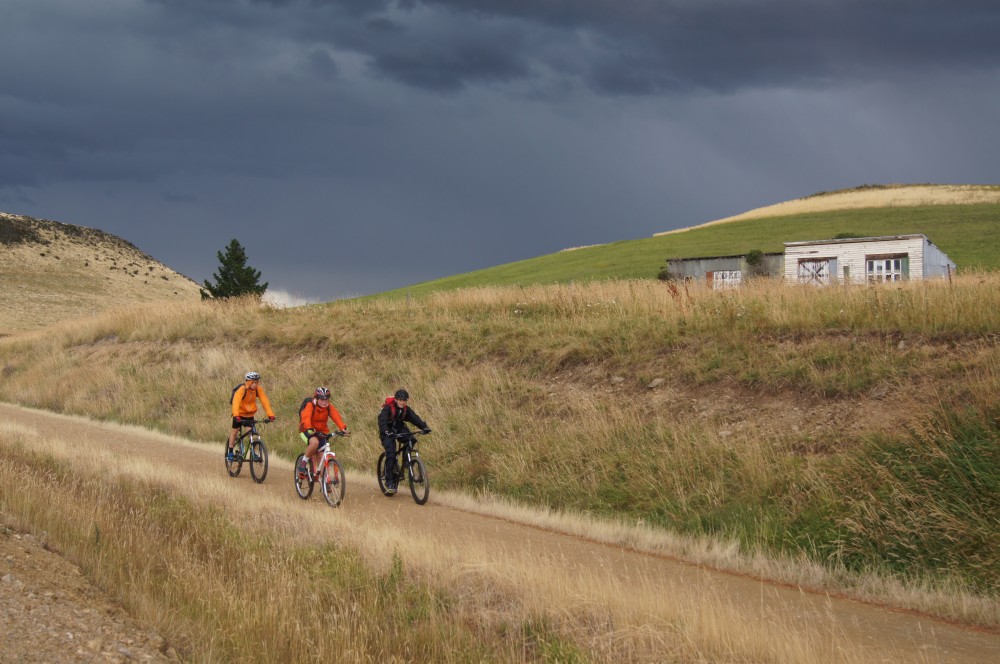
(969, 234)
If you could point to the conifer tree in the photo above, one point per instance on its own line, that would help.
(234, 277)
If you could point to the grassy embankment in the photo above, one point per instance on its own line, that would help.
(254, 576)
(969, 234)
(516, 383)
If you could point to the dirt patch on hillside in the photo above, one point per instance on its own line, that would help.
(50, 271)
(49, 612)
(869, 196)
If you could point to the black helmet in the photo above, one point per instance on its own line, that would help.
(402, 395)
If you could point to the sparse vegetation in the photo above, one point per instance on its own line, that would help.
(231, 577)
(782, 403)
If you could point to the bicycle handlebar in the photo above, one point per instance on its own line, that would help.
(404, 434)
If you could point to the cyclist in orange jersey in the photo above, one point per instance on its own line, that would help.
(313, 419)
(244, 405)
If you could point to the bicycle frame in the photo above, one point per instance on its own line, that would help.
(328, 467)
(251, 433)
(249, 448)
(408, 466)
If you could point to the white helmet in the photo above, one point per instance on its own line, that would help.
(253, 375)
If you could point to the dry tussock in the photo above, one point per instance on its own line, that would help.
(259, 576)
(52, 272)
(515, 382)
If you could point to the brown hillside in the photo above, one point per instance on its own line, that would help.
(869, 196)
(50, 271)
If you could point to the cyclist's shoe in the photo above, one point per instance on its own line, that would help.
(303, 471)
(230, 456)
(390, 489)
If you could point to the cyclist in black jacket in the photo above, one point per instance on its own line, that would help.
(395, 411)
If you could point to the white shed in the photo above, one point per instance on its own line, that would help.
(866, 259)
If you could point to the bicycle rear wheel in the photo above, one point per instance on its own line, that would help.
(236, 465)
(333, 483)
(380, 473)
(258, 461)
(420, 484)
(303, 485)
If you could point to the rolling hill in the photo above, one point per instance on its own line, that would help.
(51, 271)
(963, 220)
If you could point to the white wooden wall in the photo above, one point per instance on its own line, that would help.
(852, 255)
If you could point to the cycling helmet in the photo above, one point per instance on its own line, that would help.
(402, 395)
(322, 393)
(253, 375)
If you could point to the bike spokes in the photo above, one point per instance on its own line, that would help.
(258, 460)
(420, 486)
(235, 465)
(303, 482)
(333, 484)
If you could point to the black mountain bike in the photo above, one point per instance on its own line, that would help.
(409, 466)
(249, 447)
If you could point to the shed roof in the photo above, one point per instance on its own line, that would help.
(848, 240)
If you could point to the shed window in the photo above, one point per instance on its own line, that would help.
(726, 279)
(888, 268)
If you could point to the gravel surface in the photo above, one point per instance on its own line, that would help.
(50, 612)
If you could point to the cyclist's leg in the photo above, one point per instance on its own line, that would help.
(312, 444)
(237, 425)
(389, 443)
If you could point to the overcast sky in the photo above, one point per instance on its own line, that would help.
(359, 145)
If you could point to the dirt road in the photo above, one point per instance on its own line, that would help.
(621, 575)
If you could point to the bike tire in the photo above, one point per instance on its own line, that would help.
(380, 474)
(333, 484)
(303, 485)
(236, 465)
(258, 461)
(420, 484)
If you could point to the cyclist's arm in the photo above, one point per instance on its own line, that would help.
(264, 401)
(414, 419)
(238, 399)
(383, 421)
(337, 419)
(306, 416)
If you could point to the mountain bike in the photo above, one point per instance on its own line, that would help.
(249, 447)
(330, 475)
(408, 465)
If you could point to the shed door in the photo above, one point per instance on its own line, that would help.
(815, 271)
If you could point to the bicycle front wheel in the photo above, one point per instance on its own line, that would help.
(333, 485)
(420, 485)
(303, 486)
(236, 465)
(258, 461)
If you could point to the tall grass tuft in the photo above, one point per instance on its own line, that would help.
(793, 421)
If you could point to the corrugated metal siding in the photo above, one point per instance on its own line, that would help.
(698, 268)
(936, 263)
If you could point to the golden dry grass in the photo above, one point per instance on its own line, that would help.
(64, 272)
(896, 195)
(768, 390)
(210, 567)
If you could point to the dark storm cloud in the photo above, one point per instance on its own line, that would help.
(474, 132)
(649, 46)
(634, 46)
